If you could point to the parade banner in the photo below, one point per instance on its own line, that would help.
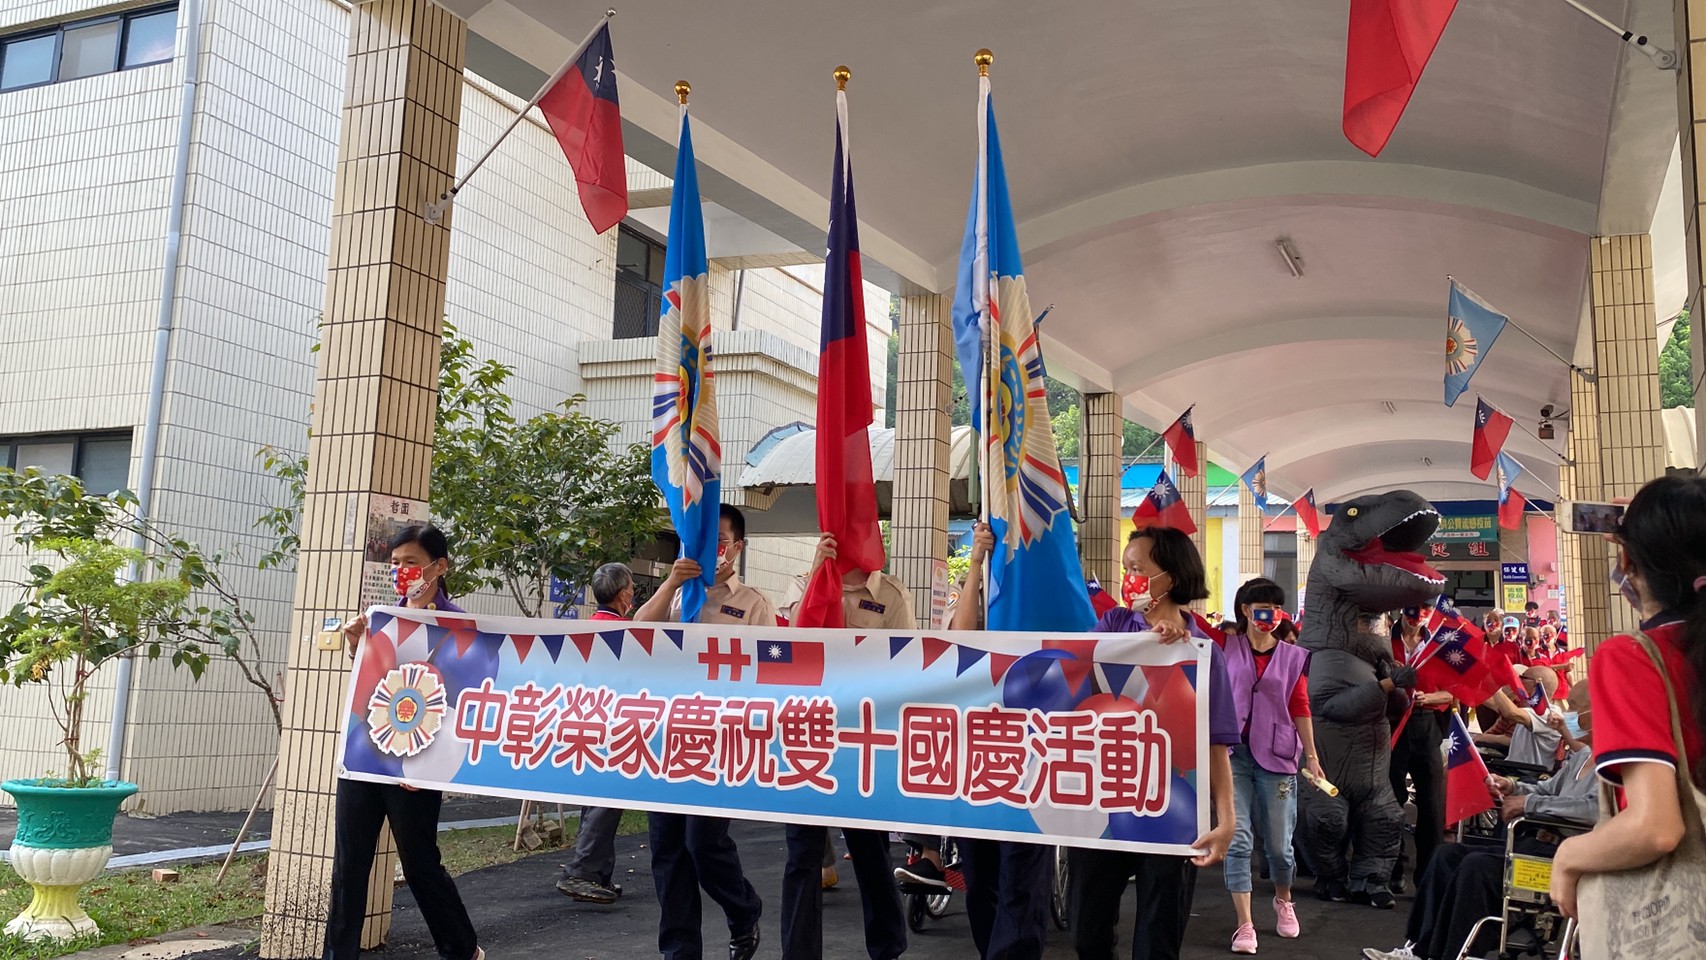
(1089, 740)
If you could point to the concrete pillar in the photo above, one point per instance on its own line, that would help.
(1100, 435)
(924, 395)
(1194, 491)
(1691, 128)
(376, 383)
(1250, 524)
(1582, 559)
(1305, 559)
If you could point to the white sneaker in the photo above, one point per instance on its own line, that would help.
(1400, 953)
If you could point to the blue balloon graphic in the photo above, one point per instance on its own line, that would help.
(1177, 825)
(1036, 682)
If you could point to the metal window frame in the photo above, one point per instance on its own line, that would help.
(57, 31)
(9, 445)
(656, 250)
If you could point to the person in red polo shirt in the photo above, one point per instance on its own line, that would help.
(1663, 540)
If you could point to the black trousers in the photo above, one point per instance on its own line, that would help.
(1007, 896)
(1463, 883)
(1165, 886)
(362, 809)
(802, 893)
(1417, 754)
(690, 853)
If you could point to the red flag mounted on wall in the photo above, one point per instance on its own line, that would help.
(1181, 440)
(1386, 49)
(582, 111)
(1305, 507)
(846, 495)
(1491, 429)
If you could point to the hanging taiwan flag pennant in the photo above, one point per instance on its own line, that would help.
(1162, 506)
(1491, 429)
(1471, 327)
(582, 111)
(1256, 478)
(687, 458)
(1181, 440)
(1035, 580)
(1305, 507)
(1511, 503)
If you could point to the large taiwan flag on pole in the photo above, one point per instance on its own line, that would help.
(1035, 580)
(687, 460)
(582, 111)
(846, 495)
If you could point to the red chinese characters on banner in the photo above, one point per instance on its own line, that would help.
(996, 755)
(930, 750)
(748, 728)
(636, 720)
(583, 728)
(1067, 745)
(528, 720)
(808, 743)
(1133, 774)
(690, 739)
(480, 717)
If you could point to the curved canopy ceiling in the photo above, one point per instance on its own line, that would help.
(1155, 154)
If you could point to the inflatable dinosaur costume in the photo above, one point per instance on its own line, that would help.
(1365, 563)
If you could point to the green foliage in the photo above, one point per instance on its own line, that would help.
(959, 564)
(87, 601)
(1067, 425)
(1676, 368)
(520, 500)
(283, 520)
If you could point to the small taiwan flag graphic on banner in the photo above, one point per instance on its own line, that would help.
(791, 662)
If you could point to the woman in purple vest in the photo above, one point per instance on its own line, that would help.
(1270, 690)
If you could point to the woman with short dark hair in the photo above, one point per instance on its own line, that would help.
(1165, 884)
(420, 560)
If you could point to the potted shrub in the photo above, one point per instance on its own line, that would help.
(84, 603)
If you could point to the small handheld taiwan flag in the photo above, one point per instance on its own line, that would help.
(1465, 775)
(1100, 601)
(1163, 506)
(1181, 440)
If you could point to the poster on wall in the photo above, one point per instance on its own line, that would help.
(386, 517)
(939, 587)
(1516, 596)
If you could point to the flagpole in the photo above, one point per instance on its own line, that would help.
(1586, 373)
(1159, 436)
(1528, 471)
(435, 210)
(1562, 459)
(1278, 516)
(1662, 58)
(983, 58)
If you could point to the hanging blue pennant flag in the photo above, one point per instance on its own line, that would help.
(1471, 326)
(1256, 478)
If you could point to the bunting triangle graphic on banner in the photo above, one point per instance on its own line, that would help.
(1077, 673)
(1117, 674)
(999, 664)
(553, 646)
(583, 643)
(934, 647)
(642, 637)
(523, 646)
(613, 639)
(463, 635)
(1157, 678)
(378, 622)
(675, 637)
(969, 656)
(858, 640)
(404, 629)
(1084, 650)
(896, 645)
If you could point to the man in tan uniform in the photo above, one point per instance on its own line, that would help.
(869, 601)
(694, 852)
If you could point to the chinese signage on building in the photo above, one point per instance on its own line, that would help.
(1467, 528)
(1095, 740)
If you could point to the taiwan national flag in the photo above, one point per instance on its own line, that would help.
(1387, 47)
(687, 458)
(1458, 660)
(794, 663)
(1100, 601)
(1311, 517)
(1511, 503)
(1466, 791)
(1181, 440)
(1162, 506)
(1035, 579)
(1471, 326)
(846, 495)
(1491, 429)
(582, 112)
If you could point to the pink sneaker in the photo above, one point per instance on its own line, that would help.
(1244, 939)
(1287, 925)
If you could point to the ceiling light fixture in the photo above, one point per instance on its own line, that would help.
(1293, 262)
(1391, 407)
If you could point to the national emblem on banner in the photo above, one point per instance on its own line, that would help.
(406, 710)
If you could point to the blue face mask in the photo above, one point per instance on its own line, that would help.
(1621, 582)
(1573, 723)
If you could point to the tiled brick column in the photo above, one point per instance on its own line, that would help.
(1100, 436)
(1582, 559)
(1194, 491)
(1251, 520)
(924, 387)
(1691, 126)
(375, 393)
(1305, 559)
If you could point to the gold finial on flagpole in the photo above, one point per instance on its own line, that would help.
(682, 89)
(841, 76)
(983, 59)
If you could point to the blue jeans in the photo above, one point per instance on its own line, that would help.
(1267, 802)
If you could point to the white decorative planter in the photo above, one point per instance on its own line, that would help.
(56, 876)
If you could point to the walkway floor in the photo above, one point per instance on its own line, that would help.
(520, 914)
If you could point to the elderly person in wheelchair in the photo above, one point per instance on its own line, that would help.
(1465, 882)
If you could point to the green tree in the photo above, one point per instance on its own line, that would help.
(1676, 369)
(1067, 424)
(523, 500)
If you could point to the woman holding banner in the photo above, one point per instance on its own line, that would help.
(1165, 884)
(1270, 688)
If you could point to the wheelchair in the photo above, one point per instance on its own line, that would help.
(1483, 828)
(925, 903)
(1529, 923)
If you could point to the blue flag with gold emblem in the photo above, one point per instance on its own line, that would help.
(687, 459)
(1035, 580)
